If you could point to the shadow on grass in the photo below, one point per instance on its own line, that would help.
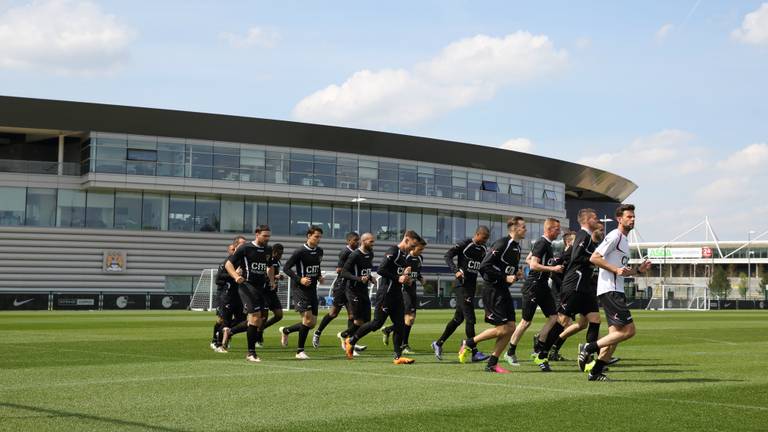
(61, 413)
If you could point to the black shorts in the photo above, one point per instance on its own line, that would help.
(499, 308)
(541, 296)
(410, 299)
(252, 297)
(578, 302)
(465, 300)
(615, 308)
(339, 294)
(359, 303)
(271, 300)
(305, 299)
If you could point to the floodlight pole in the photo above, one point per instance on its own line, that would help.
(749, 259)
(358, 200)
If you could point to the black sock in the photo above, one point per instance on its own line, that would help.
(593, 331)
(292, 329)
(537, 345)
(303, 332)
(512, 349)
(591, 348)
(216, 330)
(251, 335)
(324, 323)
(558, 344)
(272, 320)
(397, 342)
(449, 329)
(597, 369)
(493, 361)
(260, 335)
(407, 334)
(471, 343)
(350, 330)
(239, 328)
(388, 330)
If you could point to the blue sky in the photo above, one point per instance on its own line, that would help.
(670, 94)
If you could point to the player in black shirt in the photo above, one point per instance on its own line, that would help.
(356, 277)
(271, 299)
(338, 291)
(470, 253)
(415, 262)
(254, 258)
(500, 269)
(579, 292)
(536, 292)
(556, 280)
(389, 297)
(229, 309)
(303, 267)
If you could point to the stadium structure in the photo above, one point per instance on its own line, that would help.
(105, 206)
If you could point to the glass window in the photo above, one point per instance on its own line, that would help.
(407, 173)
(255, 214)
(444, 225)
(459, 226)
(368, 177)
(142, 155)
(232, 214)
(110, 153)
(110, 166)
(301, 217)
(70, 209)
(471, 225)
(154, 212)
(396, 223)
(112, 141)
(128, 210)
(171, 152)
(413, 220)
(277, 168)
(181, 213)
(14, 201)
(498, 226)
(170, 170)
(550, 195)
(490, 186)
(252, 165)
(362, 219)
(207, 213)
(429, 225)
(346, 173)
(100, 209)
(322, 216)
(142, 142)
(380, 223)
(342, 217)
(279, 217)
(41, 207)
(388, 186)
(140, 168)
(226, 161)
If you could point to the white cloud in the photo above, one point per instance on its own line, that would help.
(583, 42)
(254, 36)
(754, 28)
(519, 144)
(663, 32)
(464, 72)
(63, 36)
(660, 148)
(750, 158)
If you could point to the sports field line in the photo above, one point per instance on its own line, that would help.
(716, 341)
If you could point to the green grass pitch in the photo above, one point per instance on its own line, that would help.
(154, 371)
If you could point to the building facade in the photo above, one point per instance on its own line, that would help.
(109, 198)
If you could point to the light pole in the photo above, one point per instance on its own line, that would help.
(358, 200)
(749, 259)
(605, 220)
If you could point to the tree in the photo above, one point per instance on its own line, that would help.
(719, 285)
(743, 285)
(763, 281)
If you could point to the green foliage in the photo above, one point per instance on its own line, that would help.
(743, 285)
(719, 287)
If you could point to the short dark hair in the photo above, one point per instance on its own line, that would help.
(482, 229)
(569, 234)
(411, 234)
(277, 249)
(514, 221)
(261, 228)
(421, 242)
(351, 235)
(583, 214)
(624, 207)
(237, 239)
(314, 229)
(551, 220)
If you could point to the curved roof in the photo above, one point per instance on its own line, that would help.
(580, 181)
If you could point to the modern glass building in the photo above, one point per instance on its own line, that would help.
(167, 190)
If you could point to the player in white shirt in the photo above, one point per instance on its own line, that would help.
(612, 257)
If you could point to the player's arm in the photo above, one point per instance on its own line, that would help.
(288, 268)
(534, 262)
(490, 267)
(449, 256)
(235, 258)
(349, 265)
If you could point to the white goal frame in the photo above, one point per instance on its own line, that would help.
(685, 296)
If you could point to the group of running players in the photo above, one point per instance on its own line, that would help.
(591, 267)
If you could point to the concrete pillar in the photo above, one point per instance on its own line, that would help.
(61, 155)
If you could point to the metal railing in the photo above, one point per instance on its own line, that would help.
(38, 167)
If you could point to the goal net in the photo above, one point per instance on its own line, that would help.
(679, 297)
(204, 297)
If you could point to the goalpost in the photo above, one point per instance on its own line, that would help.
(685, 296)
(203, 299)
